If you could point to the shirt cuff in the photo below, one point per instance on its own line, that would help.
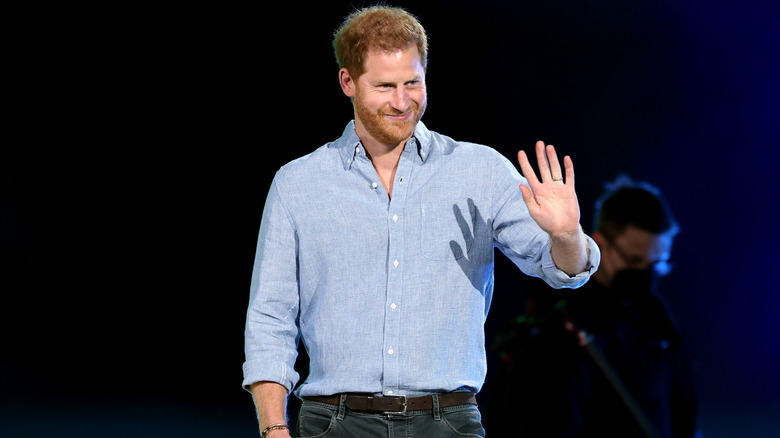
(559, 279)
(262, 371)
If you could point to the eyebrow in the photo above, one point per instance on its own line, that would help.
(417, 78)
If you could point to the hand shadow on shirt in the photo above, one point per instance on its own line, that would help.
(474, 262)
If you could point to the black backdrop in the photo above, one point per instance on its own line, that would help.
(137, 145)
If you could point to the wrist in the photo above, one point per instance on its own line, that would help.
(568, 238)
(269, 431)
(570, 252)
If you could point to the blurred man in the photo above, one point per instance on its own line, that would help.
(606, 361)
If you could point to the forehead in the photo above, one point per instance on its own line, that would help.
(393, 62)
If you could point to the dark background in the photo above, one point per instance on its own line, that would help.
(137, 145)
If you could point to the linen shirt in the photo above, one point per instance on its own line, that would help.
(389, 294)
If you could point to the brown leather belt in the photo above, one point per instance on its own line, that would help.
(397, 404)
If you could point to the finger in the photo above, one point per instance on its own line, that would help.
(569, 166)
(525, 167)
(541, 158)
(528, 196)
(555, 165)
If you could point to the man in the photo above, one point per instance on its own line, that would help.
(377, 251)
(607, 361)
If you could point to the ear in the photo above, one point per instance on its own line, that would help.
(346, 82)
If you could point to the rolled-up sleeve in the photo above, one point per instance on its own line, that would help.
(272, 332)
(559, 279)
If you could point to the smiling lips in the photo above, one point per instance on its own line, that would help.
(400, 117)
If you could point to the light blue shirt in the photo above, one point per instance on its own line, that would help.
(389, 295)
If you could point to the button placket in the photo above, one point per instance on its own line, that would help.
(396, 257)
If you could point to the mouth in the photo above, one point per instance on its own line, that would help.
(400, 117)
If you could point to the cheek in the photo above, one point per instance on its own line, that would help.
(376, 102)
(378, 99)
(369, 101)
(418, 96)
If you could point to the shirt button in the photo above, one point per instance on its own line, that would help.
(389, 392)
(374, 185)
(390, 351)
(395, 218)
(393, 306)
(395, 262)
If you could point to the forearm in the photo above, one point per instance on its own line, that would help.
(271, 403)
(570, 252)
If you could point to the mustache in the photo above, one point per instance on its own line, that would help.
(413, 108)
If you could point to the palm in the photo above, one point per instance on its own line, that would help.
(552, 202)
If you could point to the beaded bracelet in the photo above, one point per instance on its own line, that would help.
(272, 427)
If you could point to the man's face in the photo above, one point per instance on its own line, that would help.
(633, 249)
(390, 97)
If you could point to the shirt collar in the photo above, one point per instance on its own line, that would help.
(349, 144)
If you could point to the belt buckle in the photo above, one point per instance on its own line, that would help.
(405, 406)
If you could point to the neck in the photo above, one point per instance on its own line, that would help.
(383, 156)
(385, 161)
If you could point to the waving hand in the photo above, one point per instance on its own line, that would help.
(552, 203)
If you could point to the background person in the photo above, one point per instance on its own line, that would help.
(564, 392)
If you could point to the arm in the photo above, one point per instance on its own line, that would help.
(553, 204)
(271, 329)
(271, 404)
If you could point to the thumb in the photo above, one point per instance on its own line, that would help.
(528, 195)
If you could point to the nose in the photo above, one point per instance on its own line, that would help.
(400, 100)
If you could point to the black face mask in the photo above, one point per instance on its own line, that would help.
(635, 282)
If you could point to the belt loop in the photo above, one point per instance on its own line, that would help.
(342, 407)
(436, 413)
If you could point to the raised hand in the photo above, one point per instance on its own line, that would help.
(552, 202)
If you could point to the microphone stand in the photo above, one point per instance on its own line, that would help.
(586, 340)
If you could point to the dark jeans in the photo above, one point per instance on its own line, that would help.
(321, 420)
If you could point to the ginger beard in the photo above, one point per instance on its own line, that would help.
(381, 128)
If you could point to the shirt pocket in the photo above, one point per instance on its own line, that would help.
(446, 230)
